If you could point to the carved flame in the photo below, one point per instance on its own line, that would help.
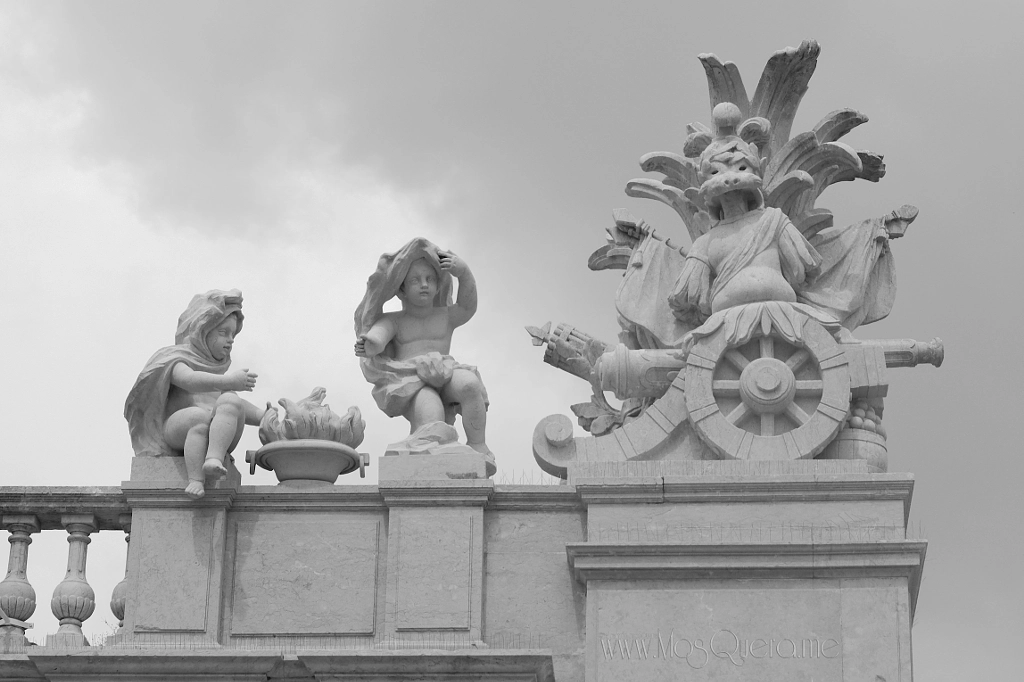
(310, 418)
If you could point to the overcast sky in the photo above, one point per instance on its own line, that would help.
(150, 151)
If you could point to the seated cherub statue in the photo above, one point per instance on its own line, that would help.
(751, 253)
(185, 402)
(405, 354)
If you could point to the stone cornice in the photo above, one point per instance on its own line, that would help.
(164, 494)
(626, 490)
(325, 498)
(847, 488)
(49, 503)
(487, 665)
(535, 498)
(111, 663)
(665, 561)
(793, 488)
(453, 493)
(38, 664)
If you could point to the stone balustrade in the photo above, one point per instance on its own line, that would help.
(80, 512)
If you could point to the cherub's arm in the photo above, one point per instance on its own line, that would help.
(374, 342)
(465, 306)
(194, 381)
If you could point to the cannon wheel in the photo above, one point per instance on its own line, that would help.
(768, 398)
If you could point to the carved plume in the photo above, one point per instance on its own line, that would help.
(795, 171)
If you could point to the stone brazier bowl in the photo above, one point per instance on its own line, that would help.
(307, 462)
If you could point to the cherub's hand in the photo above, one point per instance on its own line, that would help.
(361, 346)
(241, 380)
(452, 263)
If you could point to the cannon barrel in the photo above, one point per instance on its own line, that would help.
(910, 353)
(644, 373)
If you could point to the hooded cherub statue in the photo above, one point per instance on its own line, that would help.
(405, 354)
(184, 400)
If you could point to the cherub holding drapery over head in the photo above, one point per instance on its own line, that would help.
(405, 354)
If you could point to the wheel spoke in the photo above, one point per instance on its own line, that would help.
(797, 360)
(767, 347)
(737, 359)
(767, 424)
(796, 413)
(725, 388)
(738, 414)
(809, 388)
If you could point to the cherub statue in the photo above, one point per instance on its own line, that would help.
(185, 400)
(405, 354)
(751, 253)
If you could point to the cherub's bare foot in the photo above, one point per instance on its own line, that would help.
(482, 449)
(214, 468)
(195, 489)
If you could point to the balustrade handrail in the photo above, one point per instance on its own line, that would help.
(49, 503)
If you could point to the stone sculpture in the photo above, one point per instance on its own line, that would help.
(185, 401)
(312, 445)
(405, 354)
(740, 346)
(311, 418)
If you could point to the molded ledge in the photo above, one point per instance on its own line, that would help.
(808, 488)
(323, 498)
(49, 504)
(455, 493)
(211, 665)
(132, 664)
(535, 498)
(633, 561)
(486, 665)
(160, 494)
(632, 490)
(814, 489)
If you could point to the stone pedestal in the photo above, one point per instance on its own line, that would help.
(176, 564)
(747, 571)
(466, 466)
(435, 559)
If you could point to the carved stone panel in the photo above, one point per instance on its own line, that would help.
(435, 568)
(178, 551)
(326, 586)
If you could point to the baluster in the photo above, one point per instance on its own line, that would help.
(119, 596)
(17, 598)
(74, 600)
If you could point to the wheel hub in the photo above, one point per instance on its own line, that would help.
(767, 385)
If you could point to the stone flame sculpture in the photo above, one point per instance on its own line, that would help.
(185, 401)
(740, 345)
(312, 445)
(311, 418)
(405, 354)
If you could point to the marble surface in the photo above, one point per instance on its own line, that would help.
(760, 630)
(327, 585)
